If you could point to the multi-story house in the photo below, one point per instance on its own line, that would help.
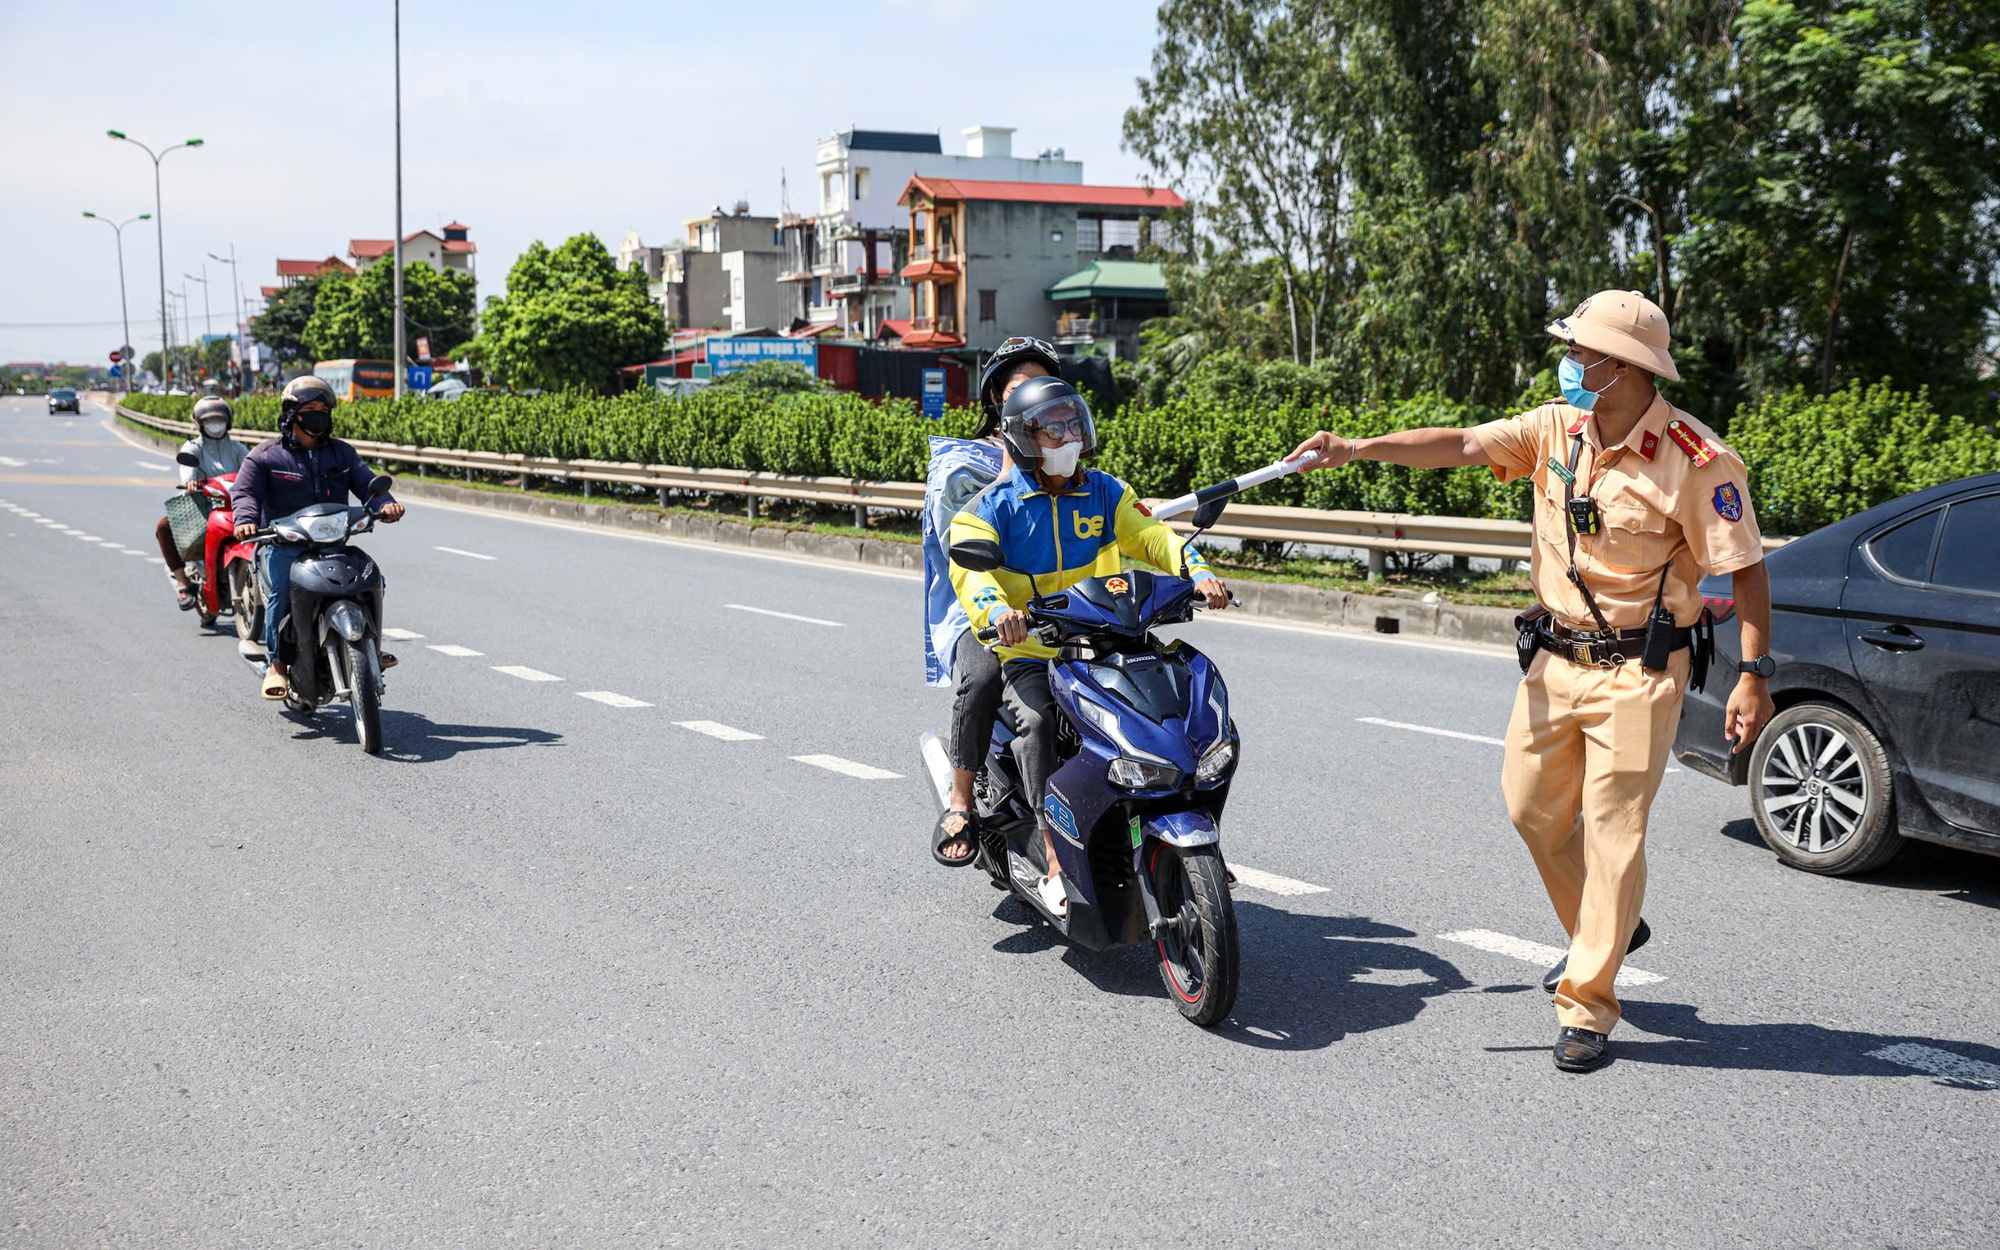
(991, 259)
(841, 262)
(450, 250)
(723, 276)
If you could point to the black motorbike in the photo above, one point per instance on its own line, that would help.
(331, 639)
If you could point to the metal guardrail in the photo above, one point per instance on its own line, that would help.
(1377, 533)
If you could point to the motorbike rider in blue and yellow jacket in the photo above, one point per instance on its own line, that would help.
(1061, 523)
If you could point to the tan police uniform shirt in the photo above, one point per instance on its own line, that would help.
(1671, 496)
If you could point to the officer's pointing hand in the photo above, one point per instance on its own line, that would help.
(1013, 627)
(1333, 450)
(1749, 709)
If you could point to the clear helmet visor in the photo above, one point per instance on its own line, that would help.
(1062, 420)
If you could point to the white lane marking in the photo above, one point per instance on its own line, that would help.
(1272, 883)
(612, 700)
(32, 516)
(728, 733)
(789, 616)
(12, 463)
(452, 649)
(129, 552)
(111, 546)
(157, 468)
(401, 635)
(1941, 1063)
(834, 764)
(89, 538)
(1430, 729)
(471, 555)
(525, 673)
(1536, 953)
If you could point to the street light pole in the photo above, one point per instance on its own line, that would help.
(160, 234)
(201, 348)
(402, 369)
(236, 288)
(124, 313)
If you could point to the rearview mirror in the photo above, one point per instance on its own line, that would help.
(979, 555)
(380, 486)
(1209, 513)
(189, 459)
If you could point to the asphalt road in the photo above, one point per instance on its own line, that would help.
(559, 970)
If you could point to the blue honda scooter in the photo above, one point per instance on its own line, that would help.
(1145, 753)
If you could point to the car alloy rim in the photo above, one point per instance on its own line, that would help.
(1814, 787)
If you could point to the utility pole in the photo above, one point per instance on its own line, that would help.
(124, 313)
(236, 289)
(160, 237)
(402, 368)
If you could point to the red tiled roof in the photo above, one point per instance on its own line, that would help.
(307, 268)
(897, 326)
(460, 245)
(362, 248)
(456, 225)
(269, 291)
(1041, 193)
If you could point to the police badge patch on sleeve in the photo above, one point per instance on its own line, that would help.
(1729, 502)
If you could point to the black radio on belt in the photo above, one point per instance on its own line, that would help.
(1583, 515)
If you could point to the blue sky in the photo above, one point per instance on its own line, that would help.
(524, 120)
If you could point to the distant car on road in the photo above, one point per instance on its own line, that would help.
(1886, 629)
(63, 399)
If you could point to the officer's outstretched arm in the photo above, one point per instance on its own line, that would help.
(1432, 447)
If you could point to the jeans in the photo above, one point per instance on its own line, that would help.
(975, 705)
(274, 564)
(1030, 709)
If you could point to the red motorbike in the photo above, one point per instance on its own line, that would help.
(225, 578)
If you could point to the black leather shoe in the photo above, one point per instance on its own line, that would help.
(1640, 936)
(1580, 1050)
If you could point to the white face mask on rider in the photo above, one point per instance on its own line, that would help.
(1061, 461)
(214, 429)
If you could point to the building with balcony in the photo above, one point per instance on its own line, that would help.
(291, 272)
(985, 256)
(1103, 305)
(843, 260)
(449, 250)
(722, 276)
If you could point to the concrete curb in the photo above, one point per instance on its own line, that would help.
(1285, 601)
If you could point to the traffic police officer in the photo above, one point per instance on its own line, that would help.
(1634, 501)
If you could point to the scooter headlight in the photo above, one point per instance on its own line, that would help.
(1139, 775)
(328, 528)
(1219, 757)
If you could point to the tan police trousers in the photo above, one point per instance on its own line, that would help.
(1586, 749)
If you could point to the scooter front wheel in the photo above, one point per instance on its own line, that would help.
(364, 694)
(1198, 953)
(246, 604)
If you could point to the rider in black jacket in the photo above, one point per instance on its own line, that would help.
(305, 465)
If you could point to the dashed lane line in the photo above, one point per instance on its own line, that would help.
(609, 699)
(401, 635)
(525, 673)
(835, 764)
(1536, 953)
(1272, 883)
(1944, 1063)
(787, 616)
(727, 733)
(453, 650)
(1430, 729)
(470, 555)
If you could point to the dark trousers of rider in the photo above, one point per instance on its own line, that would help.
(976, 672)
(165, 533)
(277, 559)
(1030, 709)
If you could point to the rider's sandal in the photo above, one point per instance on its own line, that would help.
(967, 826)
(1054, 897)
(184, 596)
(388, 661)
(275, 685)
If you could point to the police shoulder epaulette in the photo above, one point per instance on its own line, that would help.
(1693, 444)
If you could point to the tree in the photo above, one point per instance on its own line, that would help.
(281, 327)
(570, 318)
(1247, 110)
(355, 315)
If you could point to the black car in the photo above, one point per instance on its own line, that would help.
(1886, 629)
(63, 399)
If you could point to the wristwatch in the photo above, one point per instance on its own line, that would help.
(1763, 666)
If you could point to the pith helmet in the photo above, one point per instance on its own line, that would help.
(1624, 325)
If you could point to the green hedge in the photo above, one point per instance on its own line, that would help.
(1812, 460)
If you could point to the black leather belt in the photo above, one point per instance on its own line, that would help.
(1598, 649)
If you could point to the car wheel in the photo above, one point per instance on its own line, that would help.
(1821, 791)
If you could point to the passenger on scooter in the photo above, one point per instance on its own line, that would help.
(1060, 523)
(220, 455)
(960, 469)
(304, 465)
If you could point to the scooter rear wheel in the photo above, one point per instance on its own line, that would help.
(1198, 959)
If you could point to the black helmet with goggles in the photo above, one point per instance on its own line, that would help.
(1007, 357)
